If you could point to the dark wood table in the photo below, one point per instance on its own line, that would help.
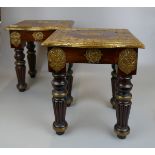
(30, 31)
(98, 46)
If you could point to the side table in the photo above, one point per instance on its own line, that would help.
(98, 46)
(30, 31)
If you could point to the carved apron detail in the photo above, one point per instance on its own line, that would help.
(57, 59)
(15, 39)
(93, 55)
(127, 61)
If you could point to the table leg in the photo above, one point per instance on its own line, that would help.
(123, 99)
(20, 69)
(69, 78)
(59, 101)
(113, 85)
(31, 57)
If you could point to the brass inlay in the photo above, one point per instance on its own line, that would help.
(40, 25)
(59, 129)
(93, 55)
(38, 36)
(127, 61)
(93, 38)
(15, 39)
(57, 59)
(59, 94)
(126, 98)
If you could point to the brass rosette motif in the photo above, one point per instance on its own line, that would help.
(93, 55)
(38, 36)
(15, 39)
(57, 59)
(127, 60)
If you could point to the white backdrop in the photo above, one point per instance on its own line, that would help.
(26, 118)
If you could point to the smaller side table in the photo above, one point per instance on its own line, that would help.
(97, 46)
(30, 31)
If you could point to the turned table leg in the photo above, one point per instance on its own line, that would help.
(113, 85)
(59, 102)
(31, 57)
(123, 99)
(69, 78)
(20, 69)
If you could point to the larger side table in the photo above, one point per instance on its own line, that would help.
(29, 31)
(102, 46)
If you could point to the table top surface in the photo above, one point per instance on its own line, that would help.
(93, 38)
(41, 25)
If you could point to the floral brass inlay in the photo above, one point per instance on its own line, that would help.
(15, 39)
(93, 38)
(38, 36)
(93, 55)
(57, 59)
(127, 61)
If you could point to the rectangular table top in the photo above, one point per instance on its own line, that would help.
(93, 38)
(41, 25)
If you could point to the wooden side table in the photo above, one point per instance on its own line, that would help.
(29, 31)
(102, 46)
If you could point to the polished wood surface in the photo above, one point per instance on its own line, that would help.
(93, 38)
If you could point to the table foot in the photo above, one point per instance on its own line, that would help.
(22, 87)
(60, 128)
(121, 133)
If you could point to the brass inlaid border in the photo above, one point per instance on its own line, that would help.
(62, 24)
(121, 38)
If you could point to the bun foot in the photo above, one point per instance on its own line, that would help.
(22, 87)
(121, 133)
(60, 128)
(32, 74)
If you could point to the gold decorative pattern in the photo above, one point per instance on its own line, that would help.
(93, 55)
(57, 59)
(122, 134)
(15, 39)
(60, 129)
(38, 36)
(93, 38)
(59, 94)
(127, 60)
(124, 98)
(40, 25)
